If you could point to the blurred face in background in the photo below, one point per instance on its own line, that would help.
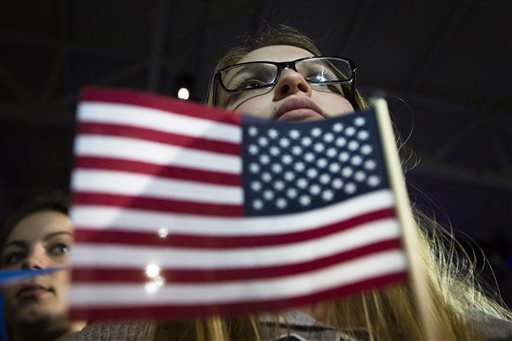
(40, 240)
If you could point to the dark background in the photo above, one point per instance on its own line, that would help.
(445, 67)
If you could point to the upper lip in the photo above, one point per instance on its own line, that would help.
(297, 103)
(30, 287)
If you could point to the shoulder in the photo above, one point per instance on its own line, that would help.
(119, 330)
(493, 328)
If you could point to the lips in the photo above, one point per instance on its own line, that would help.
(298, 109)
(31, 291)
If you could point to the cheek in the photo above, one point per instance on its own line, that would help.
(334, 105)
(256, 106)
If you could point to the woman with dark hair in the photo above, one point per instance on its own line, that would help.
(38, 236)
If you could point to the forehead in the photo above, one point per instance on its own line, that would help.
(276, 53)
(38, 224)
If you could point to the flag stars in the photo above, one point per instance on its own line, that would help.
(344, 156)
(356, 160)
(294, 134)
(289, 176)
(319, 147)
(254, 168)
(316, 132)
(312, 173)
(253, 131)
(272, 133)
(296, 150)
(341, 141)
(322, 163)
(324, 179)
(334, 167)
(281, 203)
(350, 131)
(299, 166)
(353, 145)
(268, 195)
(370, 164)
(309, 157)
(347, 171)
(304, 200)
(328, 137)
(253, 149)
(337, 127)
(366, 149)
(257, 204)
(359, 176)
(337, 184)
(279, 185)
(265, 159)
(267, 177)
(350, 188)
(256, 186)
(373, 181)
(284, 142)
(263, 141)
(314, 189)
(302, 183)
(359, 121)
(327, 195)
(331, 152)
(277, 168)
(287, 159)
(306, 141)
(274, 151)
(292, 193)
(363, 135)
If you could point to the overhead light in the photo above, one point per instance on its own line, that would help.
(184, 86)
(183, 93)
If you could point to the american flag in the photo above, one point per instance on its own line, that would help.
(185, 211)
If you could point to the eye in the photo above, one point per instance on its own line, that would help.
(60, 249)
(13, 257)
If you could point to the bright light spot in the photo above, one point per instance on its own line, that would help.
(163, 232)
(183, 93)
(152, 270)
(151, 287)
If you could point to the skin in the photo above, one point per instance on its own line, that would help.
(36, 308)
(292, 98)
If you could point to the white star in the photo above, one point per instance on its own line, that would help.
(353, 145)
(334, 167)
(267, 177)
(331, 152)
(284, 142)
(350, 131)
(289, 176)
(319, 147)
(253, 131)
(312, 173)
(346, 171)
(359, 121)
(274, 151)
(299, 166)
(327, 195)
(309, 157)
(321, 163)
(277, 168)
(360, 176)
(263, 141)
(370, 164)
(296, 150)
(344, 156)
(281, 203)
(291, 193)
(257, 204)
(325, 178)
(256, 186)
(373, 181)
(264, 159)
(279, 185)
(272, 133)
(254, 168)
(340, 141)
(316, 132)
(366, 149)
(337, 127)
(363, 135)
(350, 188)
(328, 137)
(294, 134)
(337, 183)
(304, 200)
(356, 160)
(253, 149)
(287, 159)
(302, 183)
(314, 190)
(268, 194)
(306, 141)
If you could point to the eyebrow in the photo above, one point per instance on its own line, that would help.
(22, 244)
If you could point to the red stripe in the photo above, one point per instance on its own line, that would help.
(180, 312)
(154, 204)
(180, 240)
(180, 173)
(191, 142)
(115, 275)
(150, 100)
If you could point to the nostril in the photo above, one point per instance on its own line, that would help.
(285, 89)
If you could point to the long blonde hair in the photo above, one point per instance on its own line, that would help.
(389, 313)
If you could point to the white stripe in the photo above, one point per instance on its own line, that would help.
(100, 217)
(124, 183)
(144, 117)
(114, 255)
(118, 294)
(154, 152)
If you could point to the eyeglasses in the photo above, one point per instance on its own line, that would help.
(332, 74)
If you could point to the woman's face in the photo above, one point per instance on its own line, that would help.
(292, 98)
(39, 241)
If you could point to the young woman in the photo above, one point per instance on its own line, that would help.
(38, 236)
(279, 75)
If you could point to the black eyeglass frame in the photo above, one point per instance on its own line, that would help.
(289, 65)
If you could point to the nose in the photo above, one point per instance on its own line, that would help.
(36, 259)
(291, 82)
